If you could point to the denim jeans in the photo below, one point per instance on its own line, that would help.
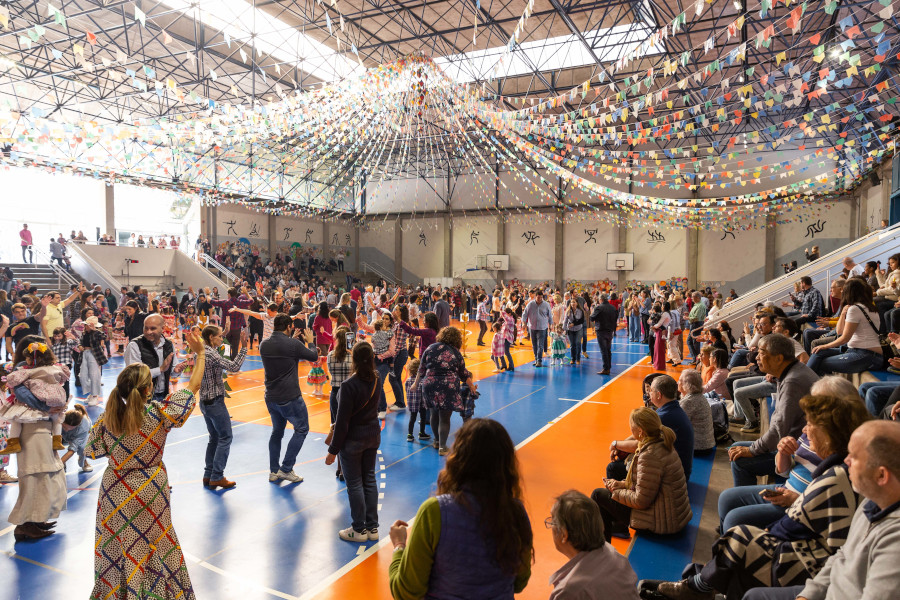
(333, 403)
(218, 423)
(745, 470)
(744, 390)
(90, 374)
(509, 361)
(876, 395)
(383, 368)
(575, 344)
(634, 328)
(693, 344)
(744, 506)
(810, 335)
(774, 593)
(395, 374)
(358, 459)
(295, 413)
(854, 360)
(539, 344)
(739, 358)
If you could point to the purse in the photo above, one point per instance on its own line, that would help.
(887, 350)
(330, 437)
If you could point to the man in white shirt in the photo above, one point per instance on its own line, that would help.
(155, 351)
(853, 269)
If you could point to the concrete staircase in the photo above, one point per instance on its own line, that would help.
(41, 276)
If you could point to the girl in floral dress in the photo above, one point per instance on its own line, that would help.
(317, 377)
(137, 554)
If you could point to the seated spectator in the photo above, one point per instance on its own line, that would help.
(888, 291)
(866, 565)
(789, 328)
(858, 330)
(706, 366)
(762, 326)
(870, 275)
(852, 269)
(578, 534)
(653, 496)
(695, 405)
(825, 325)
(661, 396)
(810, 305)
(793, 380)
(718, 374)
(760, 505)
(796, 546)
(473, 540)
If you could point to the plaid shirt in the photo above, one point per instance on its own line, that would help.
(498, 348)
(339, 370)
(213, 385)
(63, 352)
(484, 311)
(400, 336)
(812, 304)
(381, 341)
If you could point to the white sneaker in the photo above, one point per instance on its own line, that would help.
(87, 468)
(382, 414)
(351, 535)
(289, 476)
(395, 408)
(373, 535)
(273, 477)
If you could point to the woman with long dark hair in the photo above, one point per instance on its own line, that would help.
(858, 329)
(323, 327)
(474, 539)
(356, 437)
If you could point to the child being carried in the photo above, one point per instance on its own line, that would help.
(40, 378)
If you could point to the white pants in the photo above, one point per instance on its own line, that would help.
(90, 375)
(673, 344)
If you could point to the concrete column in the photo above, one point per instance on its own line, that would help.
(326, 240)
(886, 168)
(620, 244)
(110, 210)
(448, 246)
(273, 237)
(854, 203)
(501, 235)
(559, 251)
(693, 254)
(398, 250)
(355, 261)
(770, 258)
(214, 236)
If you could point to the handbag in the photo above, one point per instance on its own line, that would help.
(887, 350)
(330, 437)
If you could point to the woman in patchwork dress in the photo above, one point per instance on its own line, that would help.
(136, 550)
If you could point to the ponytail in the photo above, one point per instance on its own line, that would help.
(124, 413)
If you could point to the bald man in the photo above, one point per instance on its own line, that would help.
(155, 351)
(866, 565)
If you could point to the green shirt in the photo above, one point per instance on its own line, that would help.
(411, 569)
(698, 312)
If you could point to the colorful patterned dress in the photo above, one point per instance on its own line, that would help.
(136, 550)
(443, 371)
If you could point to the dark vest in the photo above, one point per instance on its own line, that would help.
(150, 358)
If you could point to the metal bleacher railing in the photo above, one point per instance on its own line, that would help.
(368, 267)
(217, 269)
(63, 278)
(876, 246)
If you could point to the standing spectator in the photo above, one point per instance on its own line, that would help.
(53, 315)
(474, 540)
(812, 254)
(280, 355)
(537, 318)
(605, 317)
(573, 322)
(696, 317)
(442, 309)
(134, 319)
(26, 240)
(58, 253)
(357, 436)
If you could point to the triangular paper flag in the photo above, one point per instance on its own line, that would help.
(140, 16)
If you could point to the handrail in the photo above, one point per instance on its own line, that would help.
(822, 271)
(380, 271)
(61, 274)
(230, 277)
(92, 267)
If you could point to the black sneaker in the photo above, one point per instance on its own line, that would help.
(410, 438)
(423, 436)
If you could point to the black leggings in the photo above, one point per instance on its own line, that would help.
(440, 425)
(616, 516)
(481, 333)
(422, 415)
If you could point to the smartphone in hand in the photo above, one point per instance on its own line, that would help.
(770, 493)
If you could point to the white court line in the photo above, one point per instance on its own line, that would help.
(231, 574)
(331, 579)
(585, 401)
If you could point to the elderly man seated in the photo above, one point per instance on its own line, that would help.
(578, 534)
(852, 268)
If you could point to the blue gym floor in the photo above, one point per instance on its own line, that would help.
(262, 540)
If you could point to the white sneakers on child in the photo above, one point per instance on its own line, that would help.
(93, 401)
(360, 537)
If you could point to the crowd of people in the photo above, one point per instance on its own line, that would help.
(830, 448)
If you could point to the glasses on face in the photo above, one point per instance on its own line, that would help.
(549, 523)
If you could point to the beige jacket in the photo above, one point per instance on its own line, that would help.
(659, 499)
(889, 287)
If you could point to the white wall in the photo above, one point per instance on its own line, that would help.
(725, 259)
(376, 245)
(872, 205)
(472, 236)
(584, 254)
(234, 222)
(659, 253)
(424, 256)
(531, 260)
(827, 227)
